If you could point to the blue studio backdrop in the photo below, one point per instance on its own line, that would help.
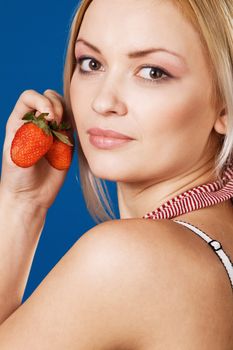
(33, 43)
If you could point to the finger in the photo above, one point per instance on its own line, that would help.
(57, 102)
(30, 100)
(65, 117)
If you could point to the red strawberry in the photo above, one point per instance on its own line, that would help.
(31, 141)
(61, 151)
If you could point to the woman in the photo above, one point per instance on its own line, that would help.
(132, 283)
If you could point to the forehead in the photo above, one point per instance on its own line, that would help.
(138, 23)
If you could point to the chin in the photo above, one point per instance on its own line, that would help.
(112, 165)
(114, 172)
(105, 171)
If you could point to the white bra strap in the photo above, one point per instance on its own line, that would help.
(215, 245)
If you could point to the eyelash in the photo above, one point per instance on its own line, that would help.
(80, 60)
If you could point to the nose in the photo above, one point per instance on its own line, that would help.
(108, 100)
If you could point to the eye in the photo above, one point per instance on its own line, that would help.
(92, 65)
(154, 74)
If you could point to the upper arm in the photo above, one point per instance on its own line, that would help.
(125, 284)
(85, 300)
(65, 311)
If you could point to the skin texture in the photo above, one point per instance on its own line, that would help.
(172, 121)
(129, 284)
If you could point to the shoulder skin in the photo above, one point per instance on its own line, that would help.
(125, 284)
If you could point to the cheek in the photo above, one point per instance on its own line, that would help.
(173, 111)
(174, 125)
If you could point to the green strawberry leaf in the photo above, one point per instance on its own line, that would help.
(62, 138)
(43, 125)
(53, 125)
(64, 126)
(42, 115)
(29, 116)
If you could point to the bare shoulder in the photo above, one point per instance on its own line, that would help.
(173, 273)
(171, 247)
(126, 284)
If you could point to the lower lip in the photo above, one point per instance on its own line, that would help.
(103, 142)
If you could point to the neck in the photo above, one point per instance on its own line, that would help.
(136, 199)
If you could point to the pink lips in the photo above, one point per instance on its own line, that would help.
(107, 133)
(107, 139)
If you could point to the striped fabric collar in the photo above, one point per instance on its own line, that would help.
(196, 198)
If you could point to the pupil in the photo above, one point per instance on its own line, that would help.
(93, 64)
(156, 73)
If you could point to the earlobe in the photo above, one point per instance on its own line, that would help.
(220, 125)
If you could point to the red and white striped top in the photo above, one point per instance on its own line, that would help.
(196, 198)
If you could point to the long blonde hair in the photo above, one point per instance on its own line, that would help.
(213, 21)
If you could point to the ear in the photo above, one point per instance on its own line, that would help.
(220, 124)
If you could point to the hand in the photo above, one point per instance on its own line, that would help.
(40, 183)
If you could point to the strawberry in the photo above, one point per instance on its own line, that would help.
(61, 151)
(31, 141)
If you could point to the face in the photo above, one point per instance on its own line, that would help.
(160, 100)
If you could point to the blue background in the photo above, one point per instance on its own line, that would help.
(33, 45)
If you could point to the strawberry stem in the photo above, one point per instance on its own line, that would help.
(29, 116)
(63, 138)
(42, 115)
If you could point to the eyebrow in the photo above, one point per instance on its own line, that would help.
(135, 54)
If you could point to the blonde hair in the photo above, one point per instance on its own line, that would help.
(213, 21)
